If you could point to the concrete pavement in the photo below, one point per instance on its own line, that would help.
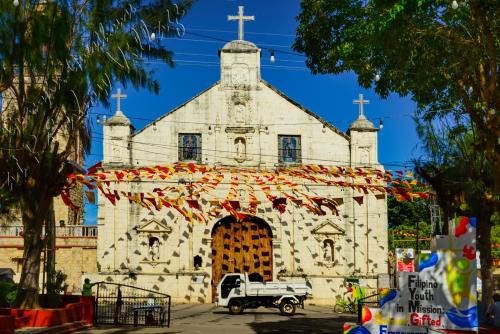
(207, 319)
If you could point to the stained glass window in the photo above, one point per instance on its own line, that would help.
(289, 150)
(190, 147)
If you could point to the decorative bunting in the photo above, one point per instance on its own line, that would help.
(280, 186)
(280, 204)
(90, 196)
(358, 199)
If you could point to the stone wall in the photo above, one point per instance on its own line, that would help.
(75, 256)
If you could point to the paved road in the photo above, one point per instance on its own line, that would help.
(207, 319)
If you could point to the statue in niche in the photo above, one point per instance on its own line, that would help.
(116, 152)
(240, 148)
(239, 110)
(365, 156)
(154, 248)
(328, 250)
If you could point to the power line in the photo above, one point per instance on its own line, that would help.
(153, 120)
(212, 39)
(215, 56)
(217, 40)
(246, 32)
(284, 67)
(175, 147)
(208, 123)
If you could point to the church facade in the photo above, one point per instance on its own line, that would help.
(241, 121)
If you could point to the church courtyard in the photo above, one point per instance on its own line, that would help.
(207, 319)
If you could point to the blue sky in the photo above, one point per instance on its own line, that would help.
(329, 96)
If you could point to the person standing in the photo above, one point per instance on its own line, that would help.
(87, 300)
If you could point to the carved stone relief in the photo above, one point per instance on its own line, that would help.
(152, 237)
(239, 106)
(240, 74)
(327, 235)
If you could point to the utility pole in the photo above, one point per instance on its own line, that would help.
(416, 248)
(435, 212)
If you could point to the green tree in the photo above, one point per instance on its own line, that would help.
(404, 218)
(495, 239)
(58, 59)
(445, 58)
(461, 178)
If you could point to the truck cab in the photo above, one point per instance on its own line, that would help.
(230, 286)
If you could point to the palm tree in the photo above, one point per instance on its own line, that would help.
(58, 59)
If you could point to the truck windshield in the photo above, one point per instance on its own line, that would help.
(228, 284)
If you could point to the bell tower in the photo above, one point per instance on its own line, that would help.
(116, 133)
(363, 138)
(240, 59)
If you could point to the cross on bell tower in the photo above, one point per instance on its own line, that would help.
(118, 96)
(361, 102)
(241, 19)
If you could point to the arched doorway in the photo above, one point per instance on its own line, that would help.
(241, 246)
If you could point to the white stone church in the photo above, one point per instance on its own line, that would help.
(241, 120)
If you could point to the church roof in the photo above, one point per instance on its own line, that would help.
(240, 45)
(176, 108)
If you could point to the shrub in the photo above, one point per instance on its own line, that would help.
(7, 293)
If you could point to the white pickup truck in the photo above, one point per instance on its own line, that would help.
(237, 292)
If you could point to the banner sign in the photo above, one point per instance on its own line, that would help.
(405, 258)
(441, 295)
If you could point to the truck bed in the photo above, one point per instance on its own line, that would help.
(276, 288)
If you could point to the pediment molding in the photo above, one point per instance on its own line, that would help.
(154, 226)
(328, 228)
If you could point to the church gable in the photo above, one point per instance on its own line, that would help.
(239, 125)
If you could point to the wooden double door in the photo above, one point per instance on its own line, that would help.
(241, 246)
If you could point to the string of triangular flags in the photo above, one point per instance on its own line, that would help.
(189, 186)
(404, 234)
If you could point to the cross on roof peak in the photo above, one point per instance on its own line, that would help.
(361, 102)
(118, 96)
(241, 19)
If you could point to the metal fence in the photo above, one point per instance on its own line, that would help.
(126, 305)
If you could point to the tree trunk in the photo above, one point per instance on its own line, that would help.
(34, 211)
(484, 246)
(50, 225)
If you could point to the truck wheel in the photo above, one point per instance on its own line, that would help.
(235, 306)
(287, 307)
